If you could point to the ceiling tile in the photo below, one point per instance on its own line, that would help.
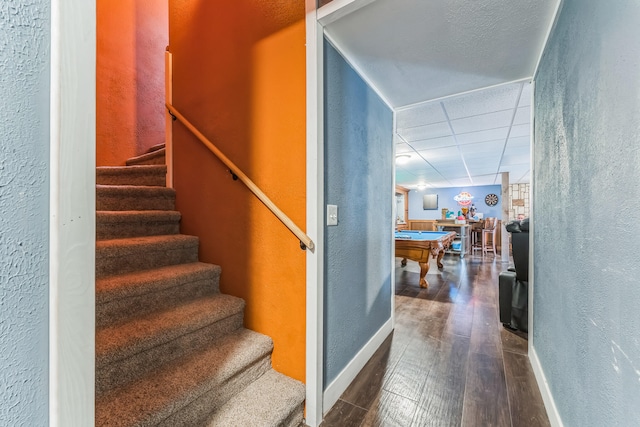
(483, 149)
(480, 161)
(421, 114)
(457, 182)
(425, 144)
(480, 122)
(525, 97)
(515, 156)
(482, 136)
(434, 130)
(523, 116)
(446, 154)
(482, 102)
(453, 172)
(403, 147)
(518, 173)
(403, 175)
(520, 149)
(520, 141)
(520, 130)
(417, 166)
(489, 179)
(428, 178)
(482, 170)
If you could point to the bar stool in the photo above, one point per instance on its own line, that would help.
(476, 235)
(489, 235)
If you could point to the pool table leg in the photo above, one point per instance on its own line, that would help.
(424, 269)
(439, 260)
(403, 262)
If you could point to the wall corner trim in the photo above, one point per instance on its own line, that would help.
(337, 9)
(547, 37)
(545, 391)
(342, 381)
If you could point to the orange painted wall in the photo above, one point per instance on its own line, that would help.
(132, 36)
(239, 76)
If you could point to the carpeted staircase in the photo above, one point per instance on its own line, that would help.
(171, 350)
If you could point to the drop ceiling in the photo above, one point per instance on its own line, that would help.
(466, 140)
(456, 72)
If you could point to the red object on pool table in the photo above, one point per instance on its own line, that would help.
(418, 245)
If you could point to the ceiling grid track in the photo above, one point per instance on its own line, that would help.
(506, 140)
(422, 157)
(455, 138)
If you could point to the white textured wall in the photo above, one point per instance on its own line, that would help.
(586, 187)
(24, 197)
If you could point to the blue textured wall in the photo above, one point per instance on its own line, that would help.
(445, 200)
(586, 187)
(359, 179)
(24, 211)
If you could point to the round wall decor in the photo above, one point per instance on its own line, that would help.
(491, 199)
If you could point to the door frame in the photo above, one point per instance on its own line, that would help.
(72, 213)
(316, 19)
(314, 359)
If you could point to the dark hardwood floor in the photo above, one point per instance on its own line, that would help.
(449, 361)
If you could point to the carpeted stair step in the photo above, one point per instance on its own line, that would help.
(120, 256)
(155, 157)
(128, 351)
(121, 224)
(156, 147)
(118, 298)
(170, 348)
(132, 197)
(185, 391)
(155, 175)
(271, 400)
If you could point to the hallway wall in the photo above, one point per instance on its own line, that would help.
(587, 161)
(358, 178)
(25, 65)
(239, 76)
(131, 41)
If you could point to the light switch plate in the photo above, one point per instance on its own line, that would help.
(332, 214)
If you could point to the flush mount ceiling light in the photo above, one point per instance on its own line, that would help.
(421, 186)
(402, 159)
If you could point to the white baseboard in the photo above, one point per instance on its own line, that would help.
(543, 385)
(342, 381)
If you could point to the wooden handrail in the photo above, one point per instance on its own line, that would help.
(305, 241)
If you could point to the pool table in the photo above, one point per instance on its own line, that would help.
(418, 245)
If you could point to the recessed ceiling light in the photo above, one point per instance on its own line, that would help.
(402, 159)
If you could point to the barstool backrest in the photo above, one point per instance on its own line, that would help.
(490, 223)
